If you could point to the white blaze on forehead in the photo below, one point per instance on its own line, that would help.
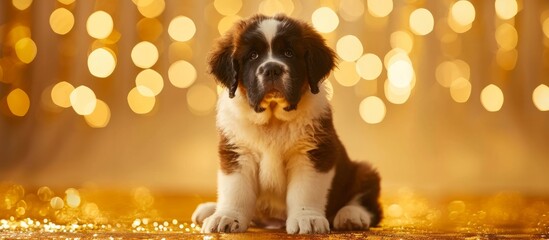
(269, 28)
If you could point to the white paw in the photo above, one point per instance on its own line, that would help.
(307, 222)
(224, 223)
(203, 211)
(352, 218)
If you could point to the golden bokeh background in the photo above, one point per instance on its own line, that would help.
(442, 96)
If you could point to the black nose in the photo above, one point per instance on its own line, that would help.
(271, 70)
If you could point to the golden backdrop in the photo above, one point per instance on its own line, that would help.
(442, 96)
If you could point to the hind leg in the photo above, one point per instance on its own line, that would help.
(203, 211)
(352, 217)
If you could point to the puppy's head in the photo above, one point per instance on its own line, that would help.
(272, 61)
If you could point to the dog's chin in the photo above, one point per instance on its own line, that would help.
(272, 100)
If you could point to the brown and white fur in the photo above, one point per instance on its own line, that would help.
(280, 157)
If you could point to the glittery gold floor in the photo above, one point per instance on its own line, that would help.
(92, 212)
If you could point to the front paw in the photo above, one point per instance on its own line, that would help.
(224, 223)
(203, 211)
(307, 222)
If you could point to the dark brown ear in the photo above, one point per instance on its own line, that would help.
(223, 66)
(320, 58)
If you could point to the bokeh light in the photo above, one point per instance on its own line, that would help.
(491, 98)
(372, 110)
(100, 116)
(182, 74)
(139, 103)
(449, 71)
(26, 50)
(181, 28)
(540, 97)
(226, 23)
(149, 29)
(460, 90)
(150, 8)
(421, 21)
(228, 7)
(396, 95)
(346, 75)
(400, 74)
(403, 40)
(349, 48)
(325, 20)
(21, 4)
(61, 21)
(99, 25)
(506, 9)
(18, 102)
(463, 12)
(60, 94)
(369, 66)
(380, 8)
(66, 2)
(201, 99)
(506, 36)
(144, 54)
(57, 203)
(72, 197)
(507, 59)
(83, 100)
(545, 27)
(101, 62)
(351, 10)
(151, 81)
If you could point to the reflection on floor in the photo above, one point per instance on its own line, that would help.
(91, 212)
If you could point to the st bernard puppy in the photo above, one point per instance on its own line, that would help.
(280, 158)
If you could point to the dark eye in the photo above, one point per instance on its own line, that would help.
(253, 55)
(288, 53)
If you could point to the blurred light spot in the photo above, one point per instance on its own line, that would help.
(142, 3)
(396, 95)
(546, 27)
(272, 7)
(400, 74)
(380, 8)
(101, 62)
(179, 50)
(60, 94)
(182, 74)
(506, 9)
(372, 110)
(17, 33)
(45, 194)
(151, 10)
(394, 211)
(228, 7)
(329, 89)
(403, 40)
(421, 21)
(21, 4)
(18, 102)
(369, 66)
(506, 36)
(349, 48)
(325, 20)
(144, 54)
(83, 100)
(61, 21)
(143, 199)
(72, 198)
(507, 59)
(463, 12)
(457, 206)
(26, 50)
(351, 10)
(491, 98)
(139, 103)
(66, 2)
(540, 96)
(456, 27)
(394, 55)
(181, 28)
(91, 210)
(150, 79)
(449, 71)
(226, 23)
(460, 90)
(346, 74)
(201, 99)
(57, 203)
(100, 116)
(149, 29)
(99, 25)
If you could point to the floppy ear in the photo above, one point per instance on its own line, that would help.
(319, 57)
(223, 66)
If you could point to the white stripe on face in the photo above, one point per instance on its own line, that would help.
(269, 28)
